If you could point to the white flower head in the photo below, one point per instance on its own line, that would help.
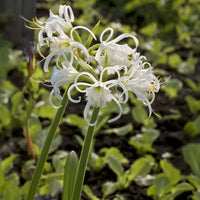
(59, 78)
(118, 55)
(143, 83)
(99, 93)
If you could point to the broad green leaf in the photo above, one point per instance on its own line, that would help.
(174, 61)
(160, 187)
(17, 103)
(113, 151)
(7, 164)
(45, 111)
(195, 181)
(143, 142)
(193, 104)
(196, 195)
(109, 188)
(191, 154)
(115, 165)
(149, 30)
(89, 193)
(5, 117)
(194, 86)
(188, 67)
(124, 130)
(70, 175)
(140, 168)
(171, 87)
(173, 174)
(51, 186)
(180, 189)
(10, 190)
(192, 128)
(40, 136)
(7, 89)
(139, 114)
(75, 120)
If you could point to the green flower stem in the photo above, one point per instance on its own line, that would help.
(45, 149)
(85, 156)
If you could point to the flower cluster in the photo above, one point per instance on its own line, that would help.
(104, 72)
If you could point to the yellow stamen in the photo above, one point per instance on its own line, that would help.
(47, 43)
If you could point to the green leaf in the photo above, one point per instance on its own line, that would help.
(195, 181)
(5, 118)
(45, 110)
(171, 87)
(122, 131)
(90, 38)
(195, 87)
(171, 172)
(113, 151)
(180, 189)
(109, 188)
(193, 104)
(149, 30)
(143, 142)
(17, 103)
(75, 120)
(191, 156)
(7, 164)
(174, 61)
(192, 128)
(115, 165)
(140, 168)
(196, 195)
(89, 193)
(30, 107)
(160, 187)
(70, 175)
(139, 114)
(188, 67)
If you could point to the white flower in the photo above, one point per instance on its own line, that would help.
(98, 93)
(118, 55)
(55, 23)
(59, 78)
(143, 83)
(63, 47)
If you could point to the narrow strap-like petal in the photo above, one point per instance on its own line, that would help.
(109, 36)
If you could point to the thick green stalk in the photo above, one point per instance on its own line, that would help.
(84, 156)
(45, 149)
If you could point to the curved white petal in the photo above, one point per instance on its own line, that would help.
(85, 73)
(109, 68)
(69, 95)
(109, 37)
(81, 27)
(81, 84)
(120, 111)
(85, 114)
(123, 36)
(47, 61)
(50, 100)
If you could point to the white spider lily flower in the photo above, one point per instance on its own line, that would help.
(98, 93)
(59, 78)
(63, 48)
(143, 83)
(55, 23)
(117, 55)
